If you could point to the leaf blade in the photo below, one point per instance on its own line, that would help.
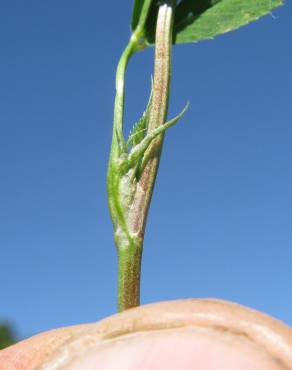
(138, 131)
(198, 20)
(224, 16)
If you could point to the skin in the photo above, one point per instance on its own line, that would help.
(189, 334)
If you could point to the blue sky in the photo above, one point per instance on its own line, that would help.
(220, 220)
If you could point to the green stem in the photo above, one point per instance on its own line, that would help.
(129, 249)
(118, 137)
(129, 276)
(118, 141)
(130, 259)
(129, 194)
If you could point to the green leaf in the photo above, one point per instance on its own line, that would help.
(6, 336)
(138, 132)
(138, 150)
(197, 20)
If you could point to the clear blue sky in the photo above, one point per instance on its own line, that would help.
(220, 221)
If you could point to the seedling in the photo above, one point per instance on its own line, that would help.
(134, 161)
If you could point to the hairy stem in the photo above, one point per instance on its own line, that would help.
(130, 262)
(158, 113)
(131, 174)
(128, 249)
(129, 276)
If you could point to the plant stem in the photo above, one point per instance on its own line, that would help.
(131, 48)
(130, 189)
(158, 113)
(129, 276)
(129, 279)
(129, 258)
